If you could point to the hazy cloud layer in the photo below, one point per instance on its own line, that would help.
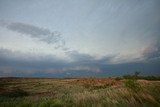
(81, 68)
(152, 53)
(41, 34)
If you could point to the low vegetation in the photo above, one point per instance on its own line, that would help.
(79, 92)
(136, 76)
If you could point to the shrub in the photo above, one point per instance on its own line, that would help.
(17, 93)
(24, 104)
(51, 103)
(151, 78)
(128, 77)
(2, 83)
(118, 78)
(132, 84)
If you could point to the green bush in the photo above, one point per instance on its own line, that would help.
(24, 104)
(154, 78)
(17, 93)
(128, 77)
(51, 103)
(133, 85)
(118, 78)
(2, 83)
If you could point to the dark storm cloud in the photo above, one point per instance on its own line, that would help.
(14, 63)
(17, 63)
(145, 68)
(76, 56)
(86, 59)
(104, 67)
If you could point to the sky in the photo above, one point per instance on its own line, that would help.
(79, 38)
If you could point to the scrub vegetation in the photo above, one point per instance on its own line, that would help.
(80, 92)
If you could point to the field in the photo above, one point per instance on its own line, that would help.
(78, 92)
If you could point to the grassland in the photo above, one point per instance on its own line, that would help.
(78, 92)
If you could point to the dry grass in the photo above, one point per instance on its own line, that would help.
(77, 92)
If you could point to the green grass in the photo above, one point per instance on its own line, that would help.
(133, 85)
(16, 93)
(79, 93)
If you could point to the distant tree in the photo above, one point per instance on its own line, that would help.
(136, 74)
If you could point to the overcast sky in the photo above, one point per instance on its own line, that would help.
(70, 38)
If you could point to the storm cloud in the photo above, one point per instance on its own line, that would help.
(79, 38)
(41, 34)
